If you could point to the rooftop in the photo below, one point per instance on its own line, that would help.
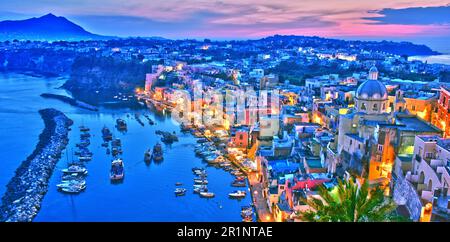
(415, 124)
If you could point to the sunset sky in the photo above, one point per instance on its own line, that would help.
(423, 21)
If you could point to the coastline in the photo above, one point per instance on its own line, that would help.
(441, 59)
(25, 191)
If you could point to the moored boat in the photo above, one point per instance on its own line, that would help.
(84, 158)
(238, 184)
(180, 191)
(148, 155)
(237, 194)
(121, 124)
(106, 134)
(75, 169)
(201, 181)
(117, 171)
(158, 152)
(84, 128)
(207, 194)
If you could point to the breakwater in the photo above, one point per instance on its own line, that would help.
(25, 191)
(69, 100)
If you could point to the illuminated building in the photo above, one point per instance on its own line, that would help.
(442, 117)
(370, 135)
(430, 166)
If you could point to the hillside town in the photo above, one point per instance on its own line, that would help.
(338, 110)
(364, 125)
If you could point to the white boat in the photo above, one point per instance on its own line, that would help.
(117, 171)
(200, 189)
(180, 191)
(75, 169)
(84, 158)
(201, 181)
(199, 186)
(237, 194)
(73, 189)
(201, 173)
(207, 194)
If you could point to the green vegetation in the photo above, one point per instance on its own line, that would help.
(297, 72)
(348, 202)
(105, 76)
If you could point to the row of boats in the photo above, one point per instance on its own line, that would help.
(212, 154)
(201, 183)
(117, 171)
(155, 154)
(73, 178)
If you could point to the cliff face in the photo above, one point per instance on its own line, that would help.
(96, 79)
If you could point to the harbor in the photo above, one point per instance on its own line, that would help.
(146, 192)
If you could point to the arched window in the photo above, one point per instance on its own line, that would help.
(375, 107)
(363, 106)
(384, 106)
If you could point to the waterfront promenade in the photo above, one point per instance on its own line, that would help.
(260, 202)
(256, 189)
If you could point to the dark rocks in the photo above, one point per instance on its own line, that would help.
(25, 191)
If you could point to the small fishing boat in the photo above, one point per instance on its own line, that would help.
(84, 158)
(106, 134)
(83, 144)
(238, 184)
(85, 135)
(200, 189)
(69, 183)
(117, 171)
(116, 142)
(73, 189)
(115, 151)
(148, 155)
(211, 159)
(207, 194)
(201, 181)
(199, 172)
(75, 169)
(83, 152)
(121, 125)
(180, 191)
(199, 186)
(246, 211)
(105, 144)
(84, 128)
(237, 173)
(178, 184)
(158, 152)
(197, 169)
(237, 194)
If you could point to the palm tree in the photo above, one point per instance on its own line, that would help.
(350, 203)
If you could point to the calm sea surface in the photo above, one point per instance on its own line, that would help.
(147, 192)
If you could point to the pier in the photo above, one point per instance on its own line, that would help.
(25, 191)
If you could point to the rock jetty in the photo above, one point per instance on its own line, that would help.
(25, 191)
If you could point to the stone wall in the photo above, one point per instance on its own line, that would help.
(404, 193)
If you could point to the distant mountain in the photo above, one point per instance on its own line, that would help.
(47, 28)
